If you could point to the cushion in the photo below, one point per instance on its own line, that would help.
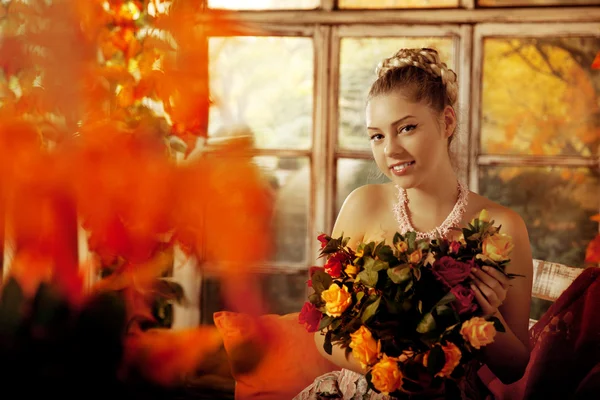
(272, 357)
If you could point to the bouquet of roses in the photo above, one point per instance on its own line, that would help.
(407, 312)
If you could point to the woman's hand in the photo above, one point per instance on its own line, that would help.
(490, 287)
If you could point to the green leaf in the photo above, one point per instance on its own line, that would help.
(427, 324)
(409, 286)
(400, 274)
(369, 263)
(359, 296)
(423, 245)
(368, 277)
(325, 321)
(417, 273)
(380, 265)
(321, 281)
(411, 237)
(327, 343)
(335, 324)
(386, 254)
(397, 238)
(370, 310)
(448, 298)
(315, 298)
(497, 324)
(436, 360)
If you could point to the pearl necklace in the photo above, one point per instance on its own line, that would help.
(451, 221)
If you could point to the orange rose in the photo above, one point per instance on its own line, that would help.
(385, 375)
(498, 247)
(478, 332)
(402, 246)
(452, 354)
(336, 300)
(415, 257)
(364, 347)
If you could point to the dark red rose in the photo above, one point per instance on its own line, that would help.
(311, 271)
(454, 247)
(451, 271)
(465, 299)
(310, 317)
(323, 239)
(335, 264)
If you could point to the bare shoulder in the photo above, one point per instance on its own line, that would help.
(510, 220)
(512, 224)
(359, 209)
(367, 197)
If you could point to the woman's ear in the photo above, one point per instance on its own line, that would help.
(450, 122)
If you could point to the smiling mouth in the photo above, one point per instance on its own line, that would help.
(401, 167)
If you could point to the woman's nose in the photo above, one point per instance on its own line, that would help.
(392, 147)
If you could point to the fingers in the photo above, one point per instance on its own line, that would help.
(491, 277)
(486, 307)
(490, 294)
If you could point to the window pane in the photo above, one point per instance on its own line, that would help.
(262, 86)
(398, 3)
(540, 96)
(263, 4)
(556, 204)
(500, 3)
(358, 59)
(290, 180)
(352, 174)
(283, 293)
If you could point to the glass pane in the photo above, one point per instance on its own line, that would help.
(263, 4)
(290, 180)
(556, 204)
(358, 59)
(283, 293)
(351, 174)
(540, 96)
(500, 3)
(398, 3)
(262, 86)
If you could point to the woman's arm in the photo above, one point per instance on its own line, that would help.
(508, 355)
(350, 223)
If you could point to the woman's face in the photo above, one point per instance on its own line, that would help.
(409, 140)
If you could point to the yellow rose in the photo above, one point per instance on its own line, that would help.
(415, 257)
(452, 355)
(360, 253)
(478, 332)
(402, 246)
(336, 300)
(498, 247)
(385, 375)
(351, 270)
(364, 347)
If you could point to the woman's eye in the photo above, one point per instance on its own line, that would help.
(376, 137)
(407, 128)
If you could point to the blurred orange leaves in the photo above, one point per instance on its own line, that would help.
(92, 93)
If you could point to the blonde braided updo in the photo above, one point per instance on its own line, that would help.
(421, 76)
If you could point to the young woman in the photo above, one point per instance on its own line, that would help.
(411, 121)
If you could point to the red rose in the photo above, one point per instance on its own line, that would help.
(454, 247)
(311, 271)
(323, 239)
(465, 299)
(451, 271)
(310, 317)
(335, 264)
